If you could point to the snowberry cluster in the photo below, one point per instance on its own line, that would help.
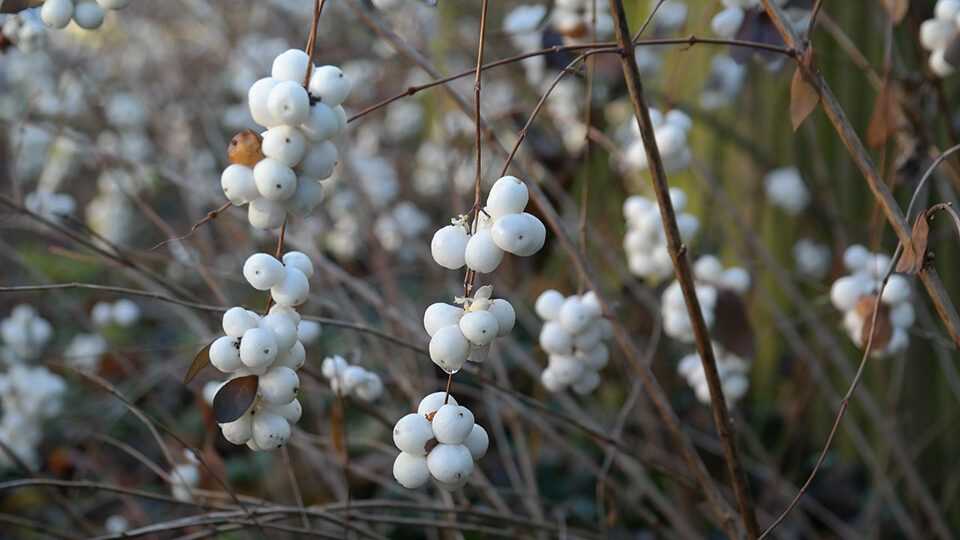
(25, 333)
(939, 34)
(350, 380)
(123, 313)
(669, 17)
(785, 188)
(24, 30)
(28, 397)
(268, 347)
(724, 82)
(574, 19)
(856, 296)
(88, 14)
(710, 276)
(671, 131)
(440, 440)
(573, 336)
(645, 242)
(732, 371)
(463, 332)
(280, 170)
(503, 227)
(812, 259)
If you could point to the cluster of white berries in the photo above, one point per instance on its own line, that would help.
(184, 477)
(574, 19)
(731, 369)
(710, 276)
(724, 82)
(268, 347)
(25, 333)
(49, 204)
(812, 259)
(573, 336)
(463, 332)
(503, 227)
(669, 17)
(350, 380)
(856, 294)
(88, 14)
(123, 313)
(785, 188)
(85, 350)
(670, 131)
(24, 30)
(938, 34)
(280, 171)
(440, 440)
(28, 397)
(645, 242)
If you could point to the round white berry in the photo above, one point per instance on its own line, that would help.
(449, 348)
(479, 327)
(554, 339)
(285, 144)
(290, 411)
(508, 195)
(591, 303)
(736, 279)
(505, 314)
(306, 198)
(903, 315)
(897, 290)
(846, 291)
(548, 304)
(587, 383)
(293, 358)
(596, 358)
(225, 354)
(452, 424)
(236, 321)
(257, 97)
(300, 261)
(936, 34)
(238, 184)
(322, 124)
(289, 103)
(279, 385)
(290, 65)
(482, 254)
(309, 331)
(411, 471)
(275, 181)
(262, 271)
(113, 4)
(477, 442)
(320, 161)
(283, 328)
(946, 10)
(450, 463)
(270, 430)
(708, 268)
(258, 348)
(588, 338)
(429, 404)
(856, 257)
(412, 433)
(448, 246)
(520, 234)
(265, 214)
(440, 315)
(567, 368)
(293, 290)
(88, 15)
(574, 317)
(240, 430)
(329, 85)
(57, 13)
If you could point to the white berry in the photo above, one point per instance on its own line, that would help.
(262, 271)
(449, 348)
(411, 471)
(452, 424)
(412, 433)
(439, 315)
(449, 245)
(482, 254)
(279, 385)
(258, 348)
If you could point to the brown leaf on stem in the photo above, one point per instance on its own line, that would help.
(245, 148)
(865, 308)
(886, 117)
(200, 361)
(732, 329)
(914, 253)
(803, 97)
(234, 398)
(897, 9)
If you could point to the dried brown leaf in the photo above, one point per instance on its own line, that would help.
(914, 253)
(732, 329)
(803, 98)
(897, 9)
(234, 398)
(865, 308)
(200, 361)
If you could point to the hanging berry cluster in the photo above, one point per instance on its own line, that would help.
(278, 172)
(463, 332)
(573, 336)
(87, 14)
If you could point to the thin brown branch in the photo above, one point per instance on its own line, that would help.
(681, 263)
(211, 215)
